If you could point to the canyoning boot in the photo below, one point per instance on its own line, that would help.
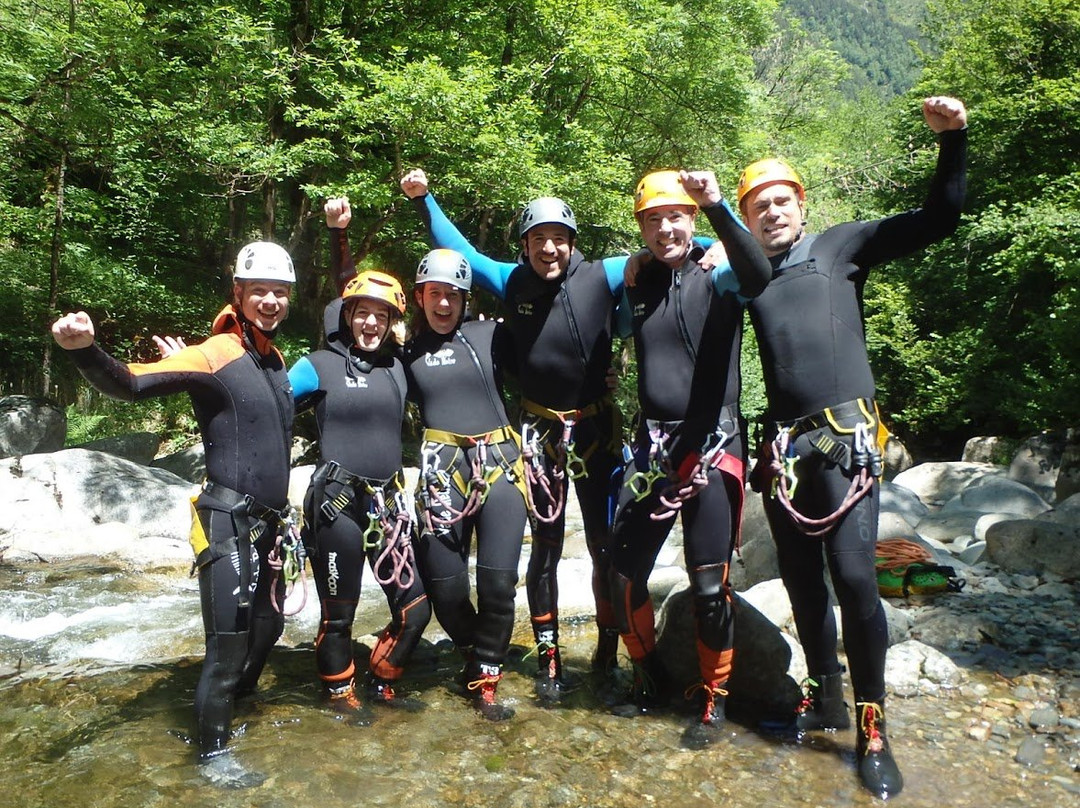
(610, 681)
(823, 704)
(605, 657)
(223, 770)
(650, 690)
(344, 701)
(708, 725)
(381, 693)
(551, 681)
(877, 770)
(482, 689)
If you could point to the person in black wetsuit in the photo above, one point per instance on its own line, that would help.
(689, 455)
(560, 313)
(356, 507)
(824, 452)
(243, 403)
(471, 477)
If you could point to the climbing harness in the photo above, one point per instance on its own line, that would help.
(684, 482)
(863, 457)
(390, 521)
(568, 463)
(488, 462)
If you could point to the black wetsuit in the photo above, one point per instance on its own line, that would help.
(562, 337)
(810, 331)
(359, 401)
(687, 328)
(455, 379)
(242, 401)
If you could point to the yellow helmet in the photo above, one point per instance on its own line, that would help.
(377, 286)
(764, 172)
(661, 188)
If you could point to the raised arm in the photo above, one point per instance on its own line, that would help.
(338, 215)
(490, 274)
(745, 258)
(75, 334)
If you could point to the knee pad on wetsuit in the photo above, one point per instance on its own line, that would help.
(450, 600)
(712, 604)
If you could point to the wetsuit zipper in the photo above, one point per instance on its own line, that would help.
(676, 283)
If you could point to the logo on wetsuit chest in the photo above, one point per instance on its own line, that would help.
(440, 358)
(359, 382)
(639, 310)
(525, 308)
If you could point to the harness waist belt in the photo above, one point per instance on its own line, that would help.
(587, 411)
(864, 409)
(233, 498)
(336, 473)
(503, 434)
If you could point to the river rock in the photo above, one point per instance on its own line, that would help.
(1037, 462)
(760, 680)
(982, 449)
(138, 447)
(1032, 751)
(895, 498)
(188, 464)
(897, 457)
(1064, 512)
(998, 495)
(912, 668)
(937, 483)
(1033, 546)
(30, 426)
(56, 502)
(946, 526)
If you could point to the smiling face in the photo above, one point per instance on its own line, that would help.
(668, 231)
(443, 305)
(265, 304)
(548, 248)
(774, 214)
(369, 320)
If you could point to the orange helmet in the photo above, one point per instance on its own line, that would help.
(377, 286)
(661, 188)
(764, 172)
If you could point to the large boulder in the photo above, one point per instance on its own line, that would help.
(760, 680)
(982, 449)
(188, 464)
(1037, 462)
(895, 498)
(897, 457)
(997, 495)
(1035, 546)
(30, 426)
(76, 502)
(936, 483)
(138, 447)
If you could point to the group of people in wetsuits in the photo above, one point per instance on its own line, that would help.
(482, 478)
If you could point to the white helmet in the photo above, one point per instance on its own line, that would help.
(264, 261)
(447, 266)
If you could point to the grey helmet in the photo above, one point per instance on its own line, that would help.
(446, 266)
(546, 210)
(264, 261)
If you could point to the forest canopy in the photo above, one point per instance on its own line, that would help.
(145, 142)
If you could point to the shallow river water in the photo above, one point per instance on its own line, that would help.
(100, 666)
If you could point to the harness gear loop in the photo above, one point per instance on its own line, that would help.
(689, 485)
(433, 488)
(398, 552)
(288, 559)
(374, 533)
(640, 483)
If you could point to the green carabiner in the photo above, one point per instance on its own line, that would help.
(374, 528)
(575, 465)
